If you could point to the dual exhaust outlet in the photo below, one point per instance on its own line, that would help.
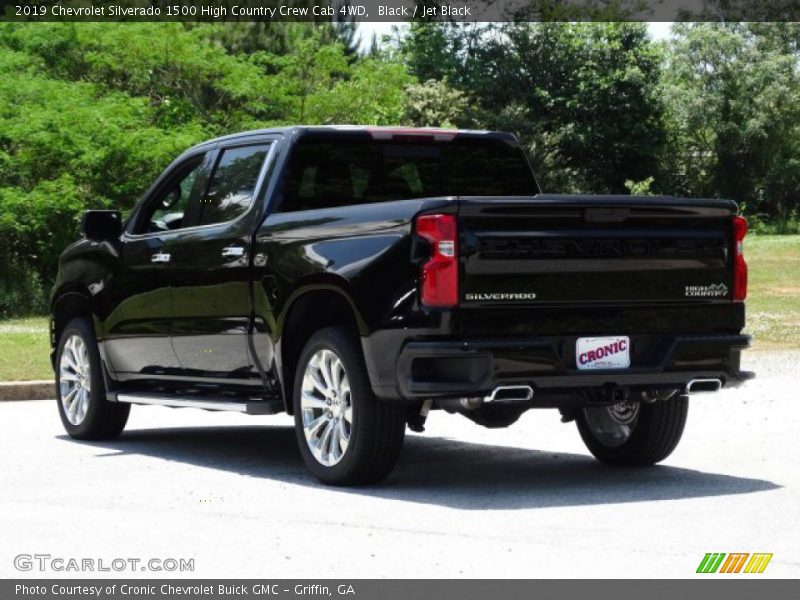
(699, 386)
(510, 393)
(502, 394)
(524, 393)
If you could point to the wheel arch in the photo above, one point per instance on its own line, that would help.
(307, 311)
(67, 304)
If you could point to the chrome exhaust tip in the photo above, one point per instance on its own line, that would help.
(510, 393)
(696, 386)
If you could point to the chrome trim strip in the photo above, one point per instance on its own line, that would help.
(222, 405)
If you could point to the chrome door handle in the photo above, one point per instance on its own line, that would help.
(233, 252)
(161, 257)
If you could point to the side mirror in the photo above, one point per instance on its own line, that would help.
(100, 225)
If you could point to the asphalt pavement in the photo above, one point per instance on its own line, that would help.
(230, 493)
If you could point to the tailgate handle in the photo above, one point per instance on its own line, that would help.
(606, 215)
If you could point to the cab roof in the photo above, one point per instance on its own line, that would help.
(376, 132)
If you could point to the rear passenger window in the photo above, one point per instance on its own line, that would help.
(327, 171)
(230, 191)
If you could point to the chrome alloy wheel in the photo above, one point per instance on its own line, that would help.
(75, 379)
(327, 409)
(612, 425)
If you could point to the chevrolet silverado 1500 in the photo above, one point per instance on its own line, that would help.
(357, 278)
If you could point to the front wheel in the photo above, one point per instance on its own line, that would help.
(347, 436)
(82, 404)
(633, 434)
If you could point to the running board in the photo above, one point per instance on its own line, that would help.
(249, 407)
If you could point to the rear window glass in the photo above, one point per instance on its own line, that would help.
(324, 173)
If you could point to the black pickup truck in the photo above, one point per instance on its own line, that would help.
(359, 277)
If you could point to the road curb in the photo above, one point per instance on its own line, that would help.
(27, 390)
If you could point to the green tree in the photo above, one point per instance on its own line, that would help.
(582, 97)
(435, 104)
(90, 113)
(733, 97)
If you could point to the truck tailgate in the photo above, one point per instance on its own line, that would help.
(578, 264)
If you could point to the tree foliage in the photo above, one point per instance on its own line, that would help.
(713, 111)
(90, 113)
(733, 97)
(582, 97)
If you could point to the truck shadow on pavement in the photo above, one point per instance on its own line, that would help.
(437, 470)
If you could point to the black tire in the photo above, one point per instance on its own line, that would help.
(377, 428)
(103, 419)
(655, 434)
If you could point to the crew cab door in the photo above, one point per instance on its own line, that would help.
(139, 323)
(211, 270)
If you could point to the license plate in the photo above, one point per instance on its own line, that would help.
(612, 352)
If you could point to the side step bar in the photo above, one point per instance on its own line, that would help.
(249, 407)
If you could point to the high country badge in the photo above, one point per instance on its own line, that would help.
(714, 290)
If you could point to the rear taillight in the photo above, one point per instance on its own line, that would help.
(739, 265)
(440, 273)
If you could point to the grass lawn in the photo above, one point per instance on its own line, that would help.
(773, 301)
(773, 310)
(24, 350)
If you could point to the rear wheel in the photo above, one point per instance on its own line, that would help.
(347, 436)
(82, 404)
(633, 434)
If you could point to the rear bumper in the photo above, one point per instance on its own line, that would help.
(454, 368)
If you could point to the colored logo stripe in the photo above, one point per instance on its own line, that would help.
(758, 563)
(711, 562)
(733, 564)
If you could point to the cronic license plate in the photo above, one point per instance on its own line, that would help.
(611, 352)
